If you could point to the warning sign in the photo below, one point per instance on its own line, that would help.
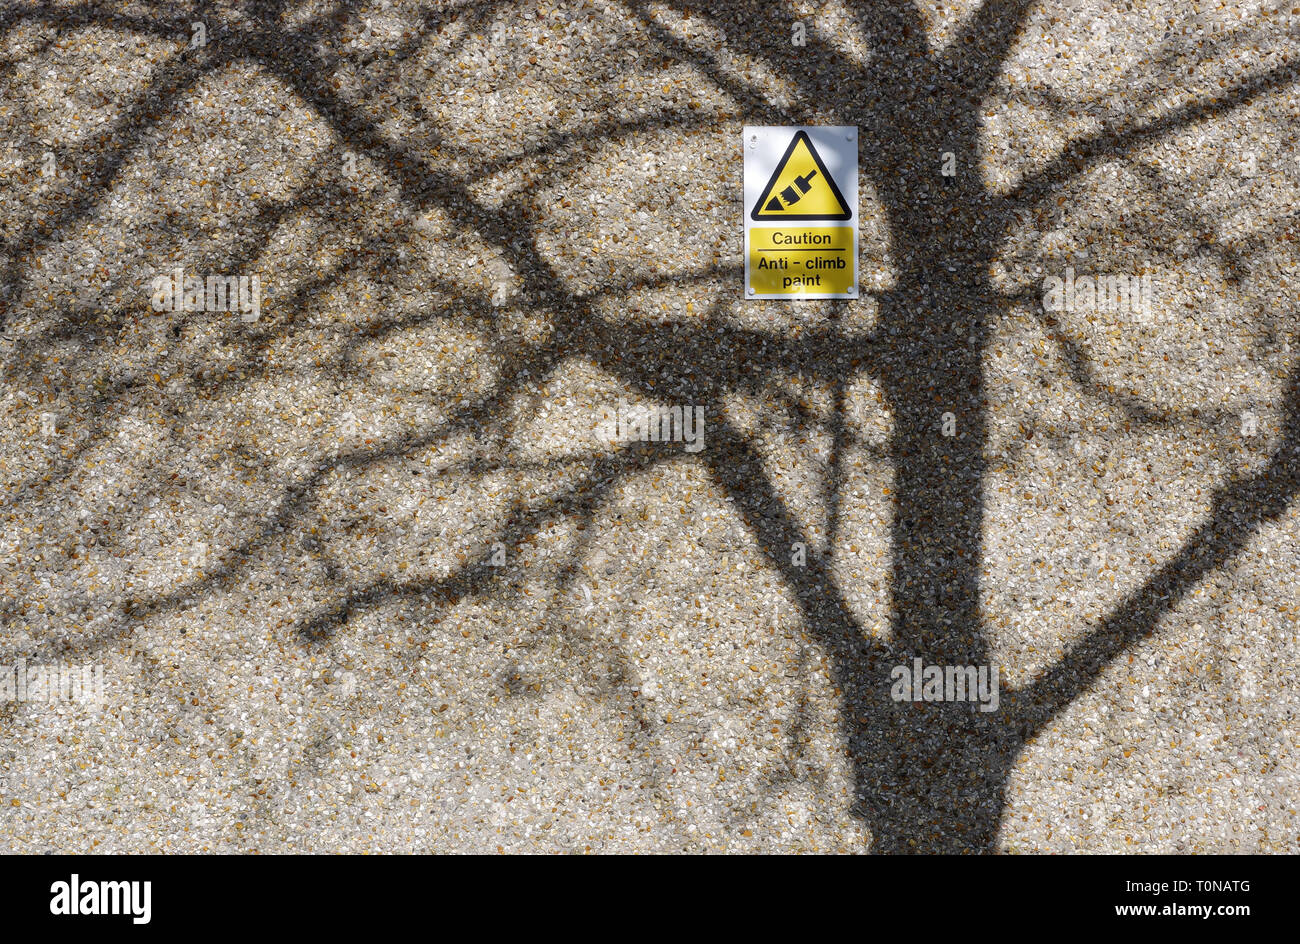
(797, 176)
(800, 188)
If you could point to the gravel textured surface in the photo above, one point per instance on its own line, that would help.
(362, 574)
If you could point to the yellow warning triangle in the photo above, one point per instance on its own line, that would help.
(801, 188)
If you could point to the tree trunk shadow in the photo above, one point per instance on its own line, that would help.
(931, 775)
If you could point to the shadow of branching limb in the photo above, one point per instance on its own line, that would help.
(1238, 510)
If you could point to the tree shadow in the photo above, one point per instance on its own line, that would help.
(929, 776)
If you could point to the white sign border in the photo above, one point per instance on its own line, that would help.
(764, 146)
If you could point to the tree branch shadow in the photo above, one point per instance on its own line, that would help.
(929, 776)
